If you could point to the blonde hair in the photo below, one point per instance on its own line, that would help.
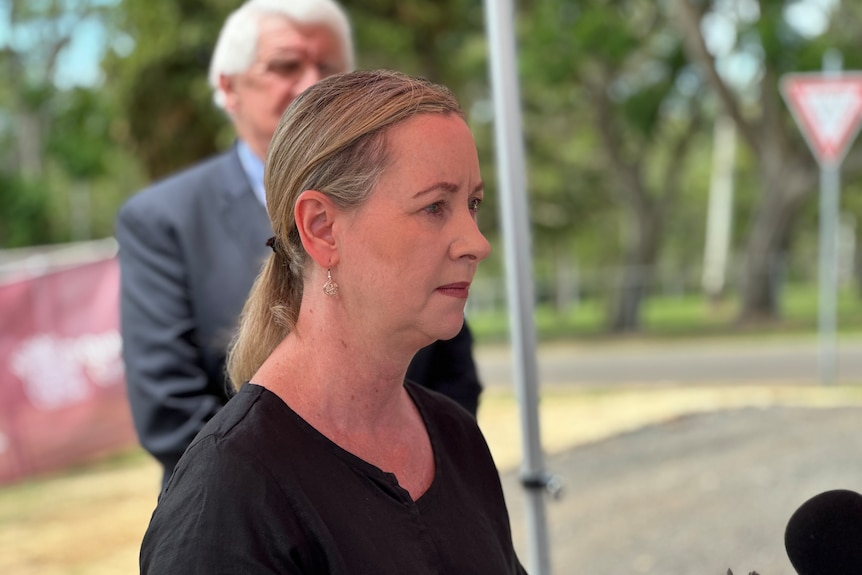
(330, 139)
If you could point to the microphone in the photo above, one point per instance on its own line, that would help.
(824, 536)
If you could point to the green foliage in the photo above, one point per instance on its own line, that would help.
(420, 37)
(160, 86)
(615, 67)
(641, 110)
(175, 122)
(25, 217)
(78, 139)
(51, 139)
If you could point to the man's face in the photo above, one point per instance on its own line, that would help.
(289, 59)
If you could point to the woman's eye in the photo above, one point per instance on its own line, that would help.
(435, 208)
(474, 204)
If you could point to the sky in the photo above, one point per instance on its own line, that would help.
(809, 17)
(79, 63)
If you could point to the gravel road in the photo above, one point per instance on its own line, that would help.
(698, 495)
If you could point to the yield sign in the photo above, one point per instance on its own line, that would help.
(828, 110)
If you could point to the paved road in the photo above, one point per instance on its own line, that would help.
(725, 361)
(695, 496)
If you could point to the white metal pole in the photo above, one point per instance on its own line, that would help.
(830, 190)
(519, 277)
(719, 215)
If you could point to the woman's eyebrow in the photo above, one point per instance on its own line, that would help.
(447, 187)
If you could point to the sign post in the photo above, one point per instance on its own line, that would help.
(827, 108)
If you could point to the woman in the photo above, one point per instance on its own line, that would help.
(327, 461)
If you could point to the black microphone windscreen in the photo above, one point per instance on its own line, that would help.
(824, 536)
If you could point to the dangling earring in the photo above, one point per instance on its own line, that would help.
(330, 288)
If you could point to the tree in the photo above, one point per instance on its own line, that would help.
(163, 76)
(81, 119)
(787, 173)
(38, 34)
(25, 219)
(623, 67)
(442, 40)
(159, 77)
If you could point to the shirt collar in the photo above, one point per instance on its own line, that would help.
(253, 168)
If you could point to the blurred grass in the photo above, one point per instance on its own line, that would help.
(669, 317)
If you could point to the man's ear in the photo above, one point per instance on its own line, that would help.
(315, 215)
(225, 84)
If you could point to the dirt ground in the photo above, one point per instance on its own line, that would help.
(657, 480)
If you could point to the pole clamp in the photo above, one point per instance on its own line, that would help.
(547, 482)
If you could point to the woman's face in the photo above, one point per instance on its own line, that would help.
(409, 253)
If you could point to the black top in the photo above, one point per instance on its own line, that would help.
(261, 491)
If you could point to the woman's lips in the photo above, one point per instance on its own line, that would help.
(459, 289)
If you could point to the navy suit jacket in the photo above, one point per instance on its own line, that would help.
(190, 247)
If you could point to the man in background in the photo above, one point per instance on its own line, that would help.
(192, 244)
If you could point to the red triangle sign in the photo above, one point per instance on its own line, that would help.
(827, 109)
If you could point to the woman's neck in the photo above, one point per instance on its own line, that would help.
(336, 381)
(355, 400)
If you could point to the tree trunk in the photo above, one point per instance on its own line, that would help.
(768, 238)
(29, 143)
(785, 174)
(760, 288)
(565, 280)
(641, 253)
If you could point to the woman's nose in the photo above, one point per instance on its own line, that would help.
(471, 243)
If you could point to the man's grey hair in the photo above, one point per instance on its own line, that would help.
(236, 46)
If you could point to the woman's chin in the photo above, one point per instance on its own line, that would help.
(451, 329)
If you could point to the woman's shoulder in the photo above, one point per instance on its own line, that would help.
(224, 439)
(240, 438)
(225, 477)
(219, 505)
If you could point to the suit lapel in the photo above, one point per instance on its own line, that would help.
(241, 211)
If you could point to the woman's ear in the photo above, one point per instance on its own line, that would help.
(315, 215)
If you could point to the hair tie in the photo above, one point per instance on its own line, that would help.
(273, 244)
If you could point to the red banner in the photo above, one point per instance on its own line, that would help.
(62, 388)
